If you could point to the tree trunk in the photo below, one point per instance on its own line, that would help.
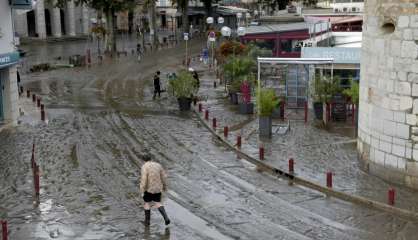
(185, 16)
(111, 26)
(153, 25)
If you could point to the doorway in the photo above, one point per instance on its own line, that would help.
(62, 18)
(48, 23)
(31, 22)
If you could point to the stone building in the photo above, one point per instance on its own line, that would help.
(47, 20)
(8, 73)
(388, 131)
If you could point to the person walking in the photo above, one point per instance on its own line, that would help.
(153, 183)
(157, 85)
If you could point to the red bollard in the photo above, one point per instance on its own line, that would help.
(329, 179)
(38, 102)
(226, 130)
(306, 111)
(36, 180)
(4, 229)
(33, 156)
(291, 165)
(33, 98)
(282, 110)
(328, 108)
(42, 107)
(239, 141)
(206, 114)
(214, 122)
(28, 93)
(391, 197)
(42, 115)
(261, 153)
(200, 107)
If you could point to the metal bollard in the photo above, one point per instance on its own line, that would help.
(214, 84)
(200, 107)
(206, 114)
(38, 102)
(261, 153)
(214, 123)
(33, 156)
(4, 229)
(391, 197)
(282, 110)
(42, 107)
(42, 115)
(33, 98)
(329, 179)
(226, 130)
(28, 93)
(353, 116)
(88, 57)
(239, 141)
(291, 165)
(306, 111)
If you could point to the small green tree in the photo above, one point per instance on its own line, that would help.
(266, 102)
(353, 92)
(237, 69)
(325, 88)
(184, 86)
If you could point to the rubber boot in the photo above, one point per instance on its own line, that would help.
(164, 214)
(147, 217)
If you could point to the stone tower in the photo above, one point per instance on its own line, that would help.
(388, 130)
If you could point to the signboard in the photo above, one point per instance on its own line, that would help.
(186, 36)
(8, 59)
(340, 55)
(21, 4)
(212, 37)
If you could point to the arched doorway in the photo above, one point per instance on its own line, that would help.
(62, 15)
(31, 22)
(48, 23)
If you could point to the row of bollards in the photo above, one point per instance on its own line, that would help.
(291, 162)
(37, 101)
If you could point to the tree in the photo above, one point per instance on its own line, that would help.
(109, 8)
(184, 7)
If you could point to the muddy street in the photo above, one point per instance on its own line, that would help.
(101, 121)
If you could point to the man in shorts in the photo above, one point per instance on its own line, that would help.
(153, 183)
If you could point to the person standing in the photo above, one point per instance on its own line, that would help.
(157, 85)
(153, 183)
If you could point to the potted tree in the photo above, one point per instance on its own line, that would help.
(237, 69)
(266, 102)
(353, 94)
(325, 88)
(184, 86)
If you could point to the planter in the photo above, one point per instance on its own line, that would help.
(318, 109)
(233, 98)
(246, 108)
(265, 126)
(184, 103)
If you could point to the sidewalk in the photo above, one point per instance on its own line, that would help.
(315, 151)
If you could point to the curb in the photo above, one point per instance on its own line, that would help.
(306, 183)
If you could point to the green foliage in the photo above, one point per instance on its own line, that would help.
(266, 101)
(238, 69)
(184, 85)
(325, 88)
(353, 91)
(253, 51)
(104, 5)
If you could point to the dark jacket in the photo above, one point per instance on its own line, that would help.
(156, 81)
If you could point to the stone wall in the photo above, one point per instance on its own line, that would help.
(388, 131)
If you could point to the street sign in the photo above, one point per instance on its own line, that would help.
(186, 36)
(212, 37)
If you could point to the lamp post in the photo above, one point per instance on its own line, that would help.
(212, 39)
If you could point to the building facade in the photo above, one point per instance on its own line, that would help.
(8, 73)
(47, 20)
(388, 131)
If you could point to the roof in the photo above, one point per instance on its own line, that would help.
(275, 28)
(230, 10)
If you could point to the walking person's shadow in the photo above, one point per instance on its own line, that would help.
(160, 236)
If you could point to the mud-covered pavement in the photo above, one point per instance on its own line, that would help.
(102, 119)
